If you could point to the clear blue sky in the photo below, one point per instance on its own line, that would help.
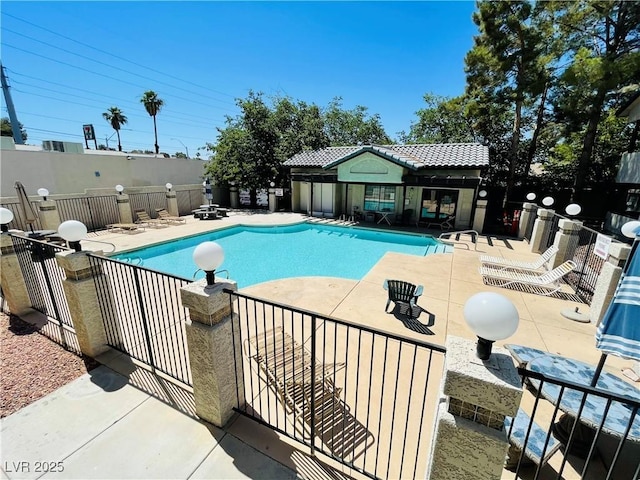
(200, 56)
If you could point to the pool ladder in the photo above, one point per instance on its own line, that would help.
(472, 233)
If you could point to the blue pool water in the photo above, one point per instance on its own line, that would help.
(259, 254)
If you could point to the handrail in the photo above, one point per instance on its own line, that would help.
(459, 232)
(100, 241)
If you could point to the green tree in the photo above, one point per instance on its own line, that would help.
(6, 130)
(180, 155)
(353, 127)
(153, 104)
(116, 119)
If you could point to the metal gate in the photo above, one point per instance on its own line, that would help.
(148, 202)
(43, 278)
(95, 212)
(143, 315)
(355, 395)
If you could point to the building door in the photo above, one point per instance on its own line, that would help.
(438, 204)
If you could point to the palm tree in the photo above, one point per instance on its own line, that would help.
(116, 118)
(152, 105)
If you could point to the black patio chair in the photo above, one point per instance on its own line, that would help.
(402, 293)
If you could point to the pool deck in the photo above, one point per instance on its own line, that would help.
(244, 449)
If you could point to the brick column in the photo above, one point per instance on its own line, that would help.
(566, 240)
(172, 204)
(273, 201)
(478, 218)
(608, 281)
(469, 439)
(124, 208)
(14, 287)
(49, 215)
(83, 299)
(544, 217)
(213, 337)
(528, 209)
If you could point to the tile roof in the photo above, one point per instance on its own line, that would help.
(415, 157)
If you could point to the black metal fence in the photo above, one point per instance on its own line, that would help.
(43, 278)
(599, 438)
(528, 229)
(95, 212)
(18, 222)
(143, 315)
(148, 202)
(589, 265)
(354, 394)
(549, 232)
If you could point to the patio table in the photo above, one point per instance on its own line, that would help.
(384, 216)
(575, 371)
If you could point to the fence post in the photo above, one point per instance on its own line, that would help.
(608, 281)
(14, 287)
(528, 209)
(272, 199)
(566, 240)
(124, 208)
(475, 397)
(213, 338)
(84, 305)
(479, 216)
(541, 226)
(49, 215)
(172, 204)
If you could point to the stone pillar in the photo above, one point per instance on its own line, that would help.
(213, 338)
(14, 287)
(528, 210)
(469, 439)
(124, 208)
(49, 215)
(172, 204)
(273, 201)
(478, 218)
(83, 299)
(566, 240)
(234, 196)
(542, 222)
(608, 281)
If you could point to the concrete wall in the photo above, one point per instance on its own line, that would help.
(63, 173)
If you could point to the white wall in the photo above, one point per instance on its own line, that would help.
(63, 173)
(629, 171)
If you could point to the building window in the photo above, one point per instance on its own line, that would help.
(380, 198)
(633, 202)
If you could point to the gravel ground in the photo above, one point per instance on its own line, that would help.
(32, 365)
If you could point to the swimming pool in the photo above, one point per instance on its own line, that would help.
(259, 254)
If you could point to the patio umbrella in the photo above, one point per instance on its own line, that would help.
(207, 191)
(29, 214)
(619, 331)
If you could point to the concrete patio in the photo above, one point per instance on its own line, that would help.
(150, 429)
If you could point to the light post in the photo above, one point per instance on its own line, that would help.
(6, 216)
(44, 193)
(185, 147)
(491, 317)
(547, 201)
(119, 189)
(73, 231)
(208, 256)
(168, 186)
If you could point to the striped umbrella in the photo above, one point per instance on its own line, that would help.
(30, 215)
(207, 191)
(619, 331)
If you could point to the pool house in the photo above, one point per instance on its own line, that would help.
(390, 183)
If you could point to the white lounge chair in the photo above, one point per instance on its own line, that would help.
(540, 262)
(545, 283)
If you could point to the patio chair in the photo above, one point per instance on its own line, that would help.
(540, 262)
(146, 220)
(545, 283)
(402, 293)
(124, 227)
(164, 215)
(446, 224)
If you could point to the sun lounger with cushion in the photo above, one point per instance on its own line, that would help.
(540, 262)
(125, 227)
(545, 283)
(164, 215)
(145, 219)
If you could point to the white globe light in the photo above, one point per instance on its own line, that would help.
(573, 209)
(43, 192)
(119, 188)
(548, 201)
(630, 229)
(169, 186)
(491, 316)
(208, 256)
(204, 184)
(482, 193)
(531, 196)
(6, 215)
(72, 230)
